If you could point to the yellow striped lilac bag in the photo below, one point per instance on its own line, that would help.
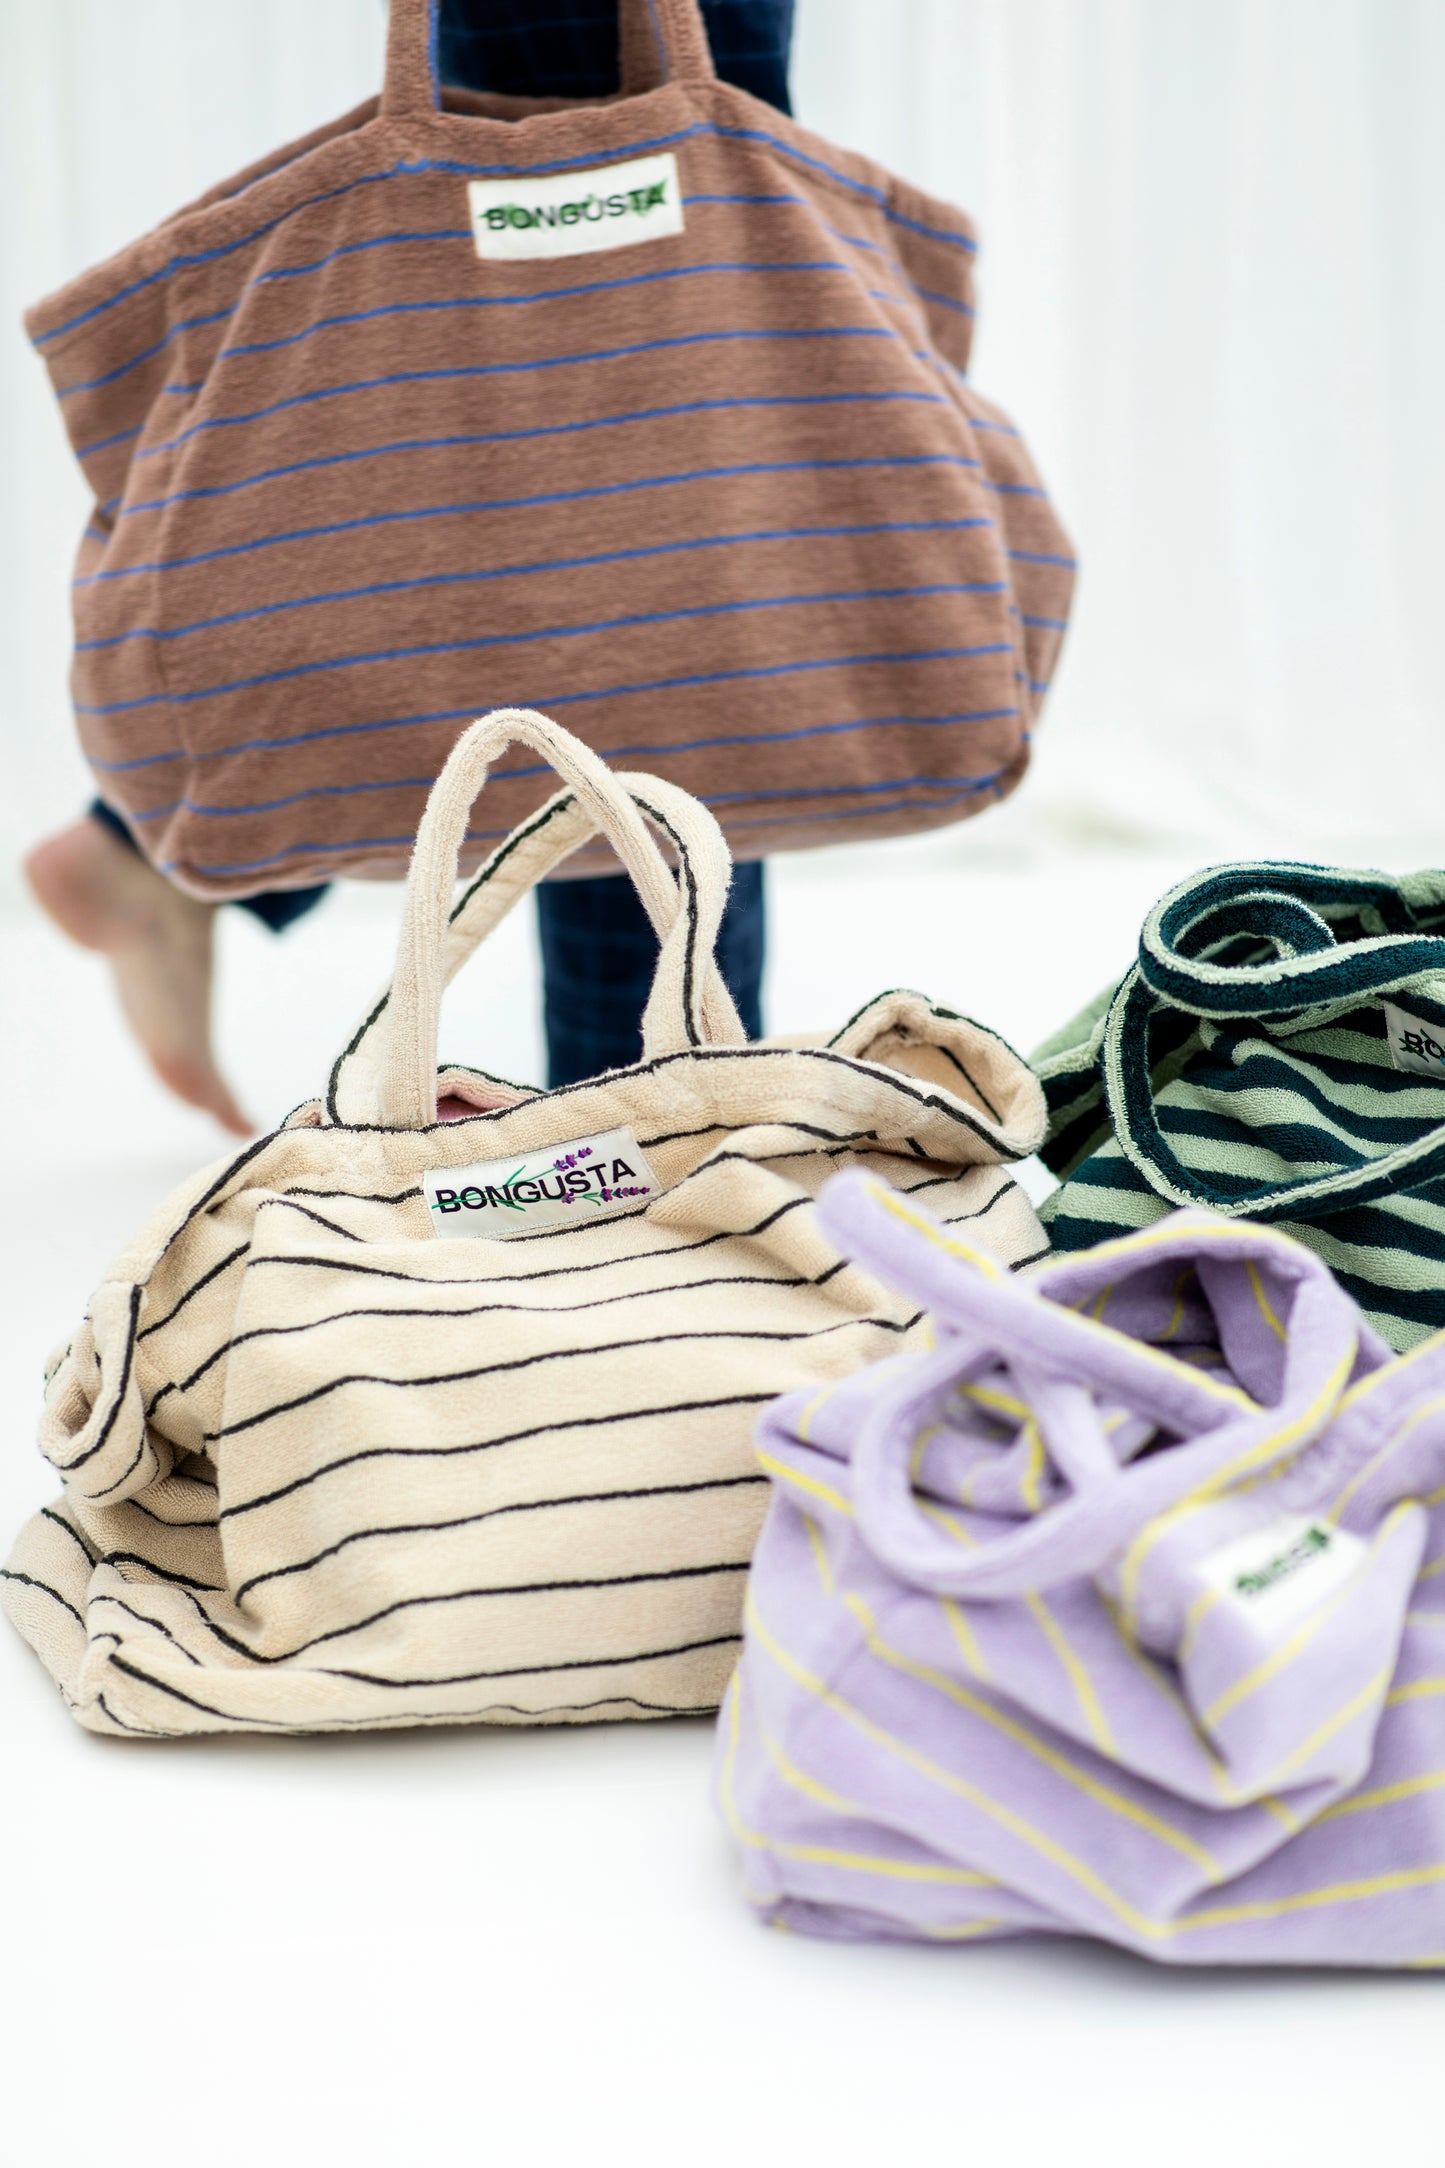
(436, 1404)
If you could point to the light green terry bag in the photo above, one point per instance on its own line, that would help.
(1277, 1053)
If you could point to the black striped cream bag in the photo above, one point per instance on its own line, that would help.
(436, 1404)
(1276, 1053)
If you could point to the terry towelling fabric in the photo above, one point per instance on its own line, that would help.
(591, 406)
(1120, 1614)
(1277, 1053)
(391, 1420)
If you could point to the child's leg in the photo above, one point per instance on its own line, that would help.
(97, 887)
(598, 956)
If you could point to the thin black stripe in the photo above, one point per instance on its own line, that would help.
(410, 1716)
(283, 1197)
(434, 1601)
(28, 1580)
(553, 1272)
(481, 1309)
(67, 1467)
(204, 1281)
(48, 1513)
(488, 1445)
(974, 1086)
(168, 1574)
(759, 1051)
(351, 1196)
(540, 820)
(528, 1362)
(141, 1731)
(493, 1513)
(144, 1618)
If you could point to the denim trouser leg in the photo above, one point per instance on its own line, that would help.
(598, 956)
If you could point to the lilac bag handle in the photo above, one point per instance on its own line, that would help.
(984, 1313)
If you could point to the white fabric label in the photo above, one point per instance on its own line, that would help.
(1275, 1575)
(1414, 1044)
(577, 214)
(569, 1185)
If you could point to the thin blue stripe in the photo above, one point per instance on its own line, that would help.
(867, 812)
(123, 368)
(357, 248)
(407, 167)
(615, 753)
(104, 444)
(1042, 557)
(439, 307)
(519, 436)
(1048, 624)
(970, 789)
(557, 700)
(488, 640)
(558, 564)
(507, 368)
(520, 504)
(1015, 489)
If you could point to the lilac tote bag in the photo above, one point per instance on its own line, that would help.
(1119, 1613)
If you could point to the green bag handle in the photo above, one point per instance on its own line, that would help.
(1311, 974)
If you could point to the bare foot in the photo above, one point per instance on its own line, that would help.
(157, 941)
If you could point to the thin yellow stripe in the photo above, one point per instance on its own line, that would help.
(1387, 1451)
(894, 1204)
(963, 1632)
(820, 1854)
(805, 1420)
(898, 1870)
(1379, 1885)
(796, 1480)
(1428, 1573)
(1194, 1618)
(964, 1635)
(819, 1550)
(1177, 1318)
(1387, 1794)
(1016, 1824)
(1278, 1660)
(1418, 1690)
(1090, 1705)
(1077, 1870)
(966, 1933)
(1370, 1691)
(1276, 1442)
(1229, 1794)
(1103, 1794)
(1263, 1300)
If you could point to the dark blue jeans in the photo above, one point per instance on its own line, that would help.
(598, 948)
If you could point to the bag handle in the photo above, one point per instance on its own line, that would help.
(388, 1072)
(1281, 904)
(659, 41)
(1310, 971)
(986, 1314)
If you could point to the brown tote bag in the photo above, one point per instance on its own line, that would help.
(651, 412)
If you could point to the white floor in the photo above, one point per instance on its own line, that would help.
(528, 1947)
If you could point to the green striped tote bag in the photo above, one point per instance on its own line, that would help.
(1276, 1053)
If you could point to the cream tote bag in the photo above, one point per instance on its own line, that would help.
(436, 1405)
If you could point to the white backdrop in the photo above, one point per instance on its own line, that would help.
(1213, 292)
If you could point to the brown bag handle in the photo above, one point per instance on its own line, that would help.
(659, 41)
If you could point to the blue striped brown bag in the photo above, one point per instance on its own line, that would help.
(436, 1405)
(586, 406)
(1276, 1053)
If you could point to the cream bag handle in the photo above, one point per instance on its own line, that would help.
(388, 1072)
